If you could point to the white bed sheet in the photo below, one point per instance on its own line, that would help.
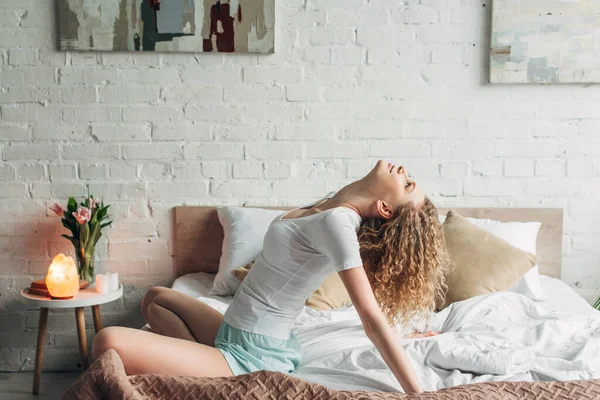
(500, 336)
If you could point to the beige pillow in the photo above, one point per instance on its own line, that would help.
(483, 263)
(330, 295)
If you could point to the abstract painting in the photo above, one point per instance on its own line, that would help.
(545, 41)
(225, 26)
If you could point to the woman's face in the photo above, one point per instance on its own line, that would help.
(394, 186)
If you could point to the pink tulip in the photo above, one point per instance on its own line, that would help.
(92, 203)
(57, 208)
(83, 215)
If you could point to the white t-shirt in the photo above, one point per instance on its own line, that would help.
(298, 255)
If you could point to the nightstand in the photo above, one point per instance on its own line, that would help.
(85, 298)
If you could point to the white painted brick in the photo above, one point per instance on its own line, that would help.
(447, 33)
(272, 74)
(122, 171)
(510, 148)
(416, 16)
(274, 150)
(489, 186)
(61, 132)
(31, 171)
(22, 56)
(582, 167)
(330, 170)
(400, 148)
(52, 57)
(14, 133)
(238, 187)
(231, 114)
(518, 168)
(254, 94)
(153, 171)
(329, 36)
(590, 148)
(188, 171)
(447, 54)
(197, 94)
(303, 93)
(213, 151)
(497, 129)
(7, 172)
(84, 58)
(349, 93)
(248, 170)
(155, 114)
(170, 151)
(454, 169)
(588, 127)
(243, 133)
(68, 95)
(441, 187)
(221, 75)
(331, 76)
(554, 128)
(62, 171)
(274, 114)
(153, 249)
(86, 152)
(486, 168)
(318, 55)
(87, 76)
(300, 189)
(277, 170)
(117, 191)
(91, 114)
(31, 113)
(121, 133)
(129, 94)
(349, 56)
(21, 94)
(30, 152)
(28, 75)
(395, 36)
(435, 129)
(553, 167)
(305, 132)
(177, 190)
(92, 171)
(551, 186)
(215, 170)
(337, 149)
(148, 59)
(164, 75)
(58, 190)
(188, 132)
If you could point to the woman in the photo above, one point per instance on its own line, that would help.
(392, 268)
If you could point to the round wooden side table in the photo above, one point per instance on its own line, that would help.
(85, 298)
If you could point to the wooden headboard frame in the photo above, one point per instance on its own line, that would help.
(199, 236)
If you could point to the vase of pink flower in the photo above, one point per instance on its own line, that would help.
(85, 221)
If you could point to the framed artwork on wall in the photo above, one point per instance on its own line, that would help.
(545, 41)
(225, 26)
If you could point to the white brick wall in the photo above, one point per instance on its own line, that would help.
(352, 81)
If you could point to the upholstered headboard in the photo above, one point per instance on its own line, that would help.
(199, 236)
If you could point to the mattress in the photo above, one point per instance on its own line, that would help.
(501, 336)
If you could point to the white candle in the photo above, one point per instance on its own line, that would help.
(102, 283)
(114, 281)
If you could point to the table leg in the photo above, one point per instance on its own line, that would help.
(39, 350)
(97, 317)
(82, 339)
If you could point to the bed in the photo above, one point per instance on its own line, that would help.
(508, 345)
(502, 336)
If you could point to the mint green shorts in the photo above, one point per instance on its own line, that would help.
(247, 352)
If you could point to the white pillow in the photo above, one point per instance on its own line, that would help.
(244, 230)
(522, 235)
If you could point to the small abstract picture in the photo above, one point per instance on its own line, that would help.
(224, 26)
(545, 41)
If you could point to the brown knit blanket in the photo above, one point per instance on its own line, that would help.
(106, 379)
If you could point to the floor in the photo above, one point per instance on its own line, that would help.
(17, 385)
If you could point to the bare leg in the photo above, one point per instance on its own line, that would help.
(174, 314)
(148, 353)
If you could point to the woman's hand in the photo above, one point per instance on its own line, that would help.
(415, 335)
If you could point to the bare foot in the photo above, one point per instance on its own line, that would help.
(415, 335)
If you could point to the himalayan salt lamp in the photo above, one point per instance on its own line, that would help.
(62, 279)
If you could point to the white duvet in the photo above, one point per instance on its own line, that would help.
(500, 336)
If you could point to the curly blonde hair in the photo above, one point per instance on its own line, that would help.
(405, 260)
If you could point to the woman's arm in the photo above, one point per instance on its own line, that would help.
(385, 339)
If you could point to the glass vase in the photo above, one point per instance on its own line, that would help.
(85, 266)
